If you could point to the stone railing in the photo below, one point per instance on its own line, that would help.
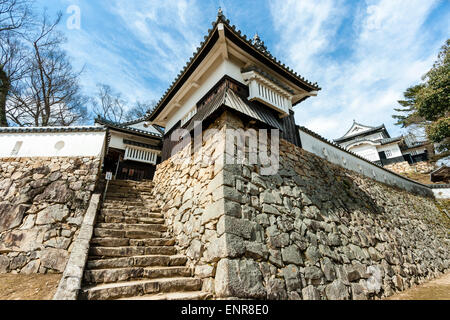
(70, 282)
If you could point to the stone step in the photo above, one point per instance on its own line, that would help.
(136, 261)
(134, 196)
(131, 251)
(130, 234)
(132, 220)
(128, 200)
(135, 227)
(110, 242)
(133, 213)
(114, 203)
(190, 295)
(138, 288)
(127, 274)
(131, 183)
(123, 242)
(114, 188)
(152, 242)
(125, 262)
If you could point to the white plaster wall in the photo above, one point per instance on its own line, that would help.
(442, 193)
(351, 162)
(76, 144)
(116, 140)
(214, 74)
(394, 148)
(367, 151)
(370, 137)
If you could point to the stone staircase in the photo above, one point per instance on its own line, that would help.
(131, 255)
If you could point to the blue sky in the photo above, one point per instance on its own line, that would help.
(363, 54)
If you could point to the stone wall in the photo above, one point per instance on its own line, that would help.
(405, 167)
(312, 231)
(42, 205)
(185, 187)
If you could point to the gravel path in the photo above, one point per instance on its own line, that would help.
(28, 287)
(437, 289)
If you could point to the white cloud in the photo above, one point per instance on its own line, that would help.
(306, 28)
(143, 42)
(386, 52)
(103, 64)
(169, 30)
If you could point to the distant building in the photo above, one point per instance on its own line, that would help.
(377, 145)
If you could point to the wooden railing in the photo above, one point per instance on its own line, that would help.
(140, 154)
(267, 92)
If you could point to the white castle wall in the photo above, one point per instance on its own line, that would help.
(349, 161)
(52, 144)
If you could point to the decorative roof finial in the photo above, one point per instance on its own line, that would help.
(258, 43)
(220, 13)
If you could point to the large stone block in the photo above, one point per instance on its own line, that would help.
(276, 289)
(292, 277)
(310, 293)
(11, 215)
(337, 291)
(56, 192)
(292, 255)
(240, 279)
(54, 259)
(22, 240)
(52, 214)
(219, 208)
(226, 246)
(239, 227)
(375, 280)
(4, 264)
(256, 250)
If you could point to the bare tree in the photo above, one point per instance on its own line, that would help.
(15, 18)
(14, 14)
(13, 67)
(49, 95)
(139, 110)
(109, 104)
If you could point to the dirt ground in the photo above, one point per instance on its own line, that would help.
(437, 289)
(28, 287)
(43, 287)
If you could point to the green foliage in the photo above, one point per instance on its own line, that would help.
(427, 104)
(439, 130)
(409, 107)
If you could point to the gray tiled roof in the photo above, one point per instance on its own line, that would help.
(372, 129)
(389, 140)
(228, 98)
(125, 127)
(51, 129)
